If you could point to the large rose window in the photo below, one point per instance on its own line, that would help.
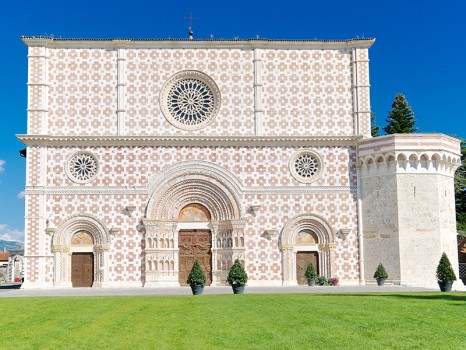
(190, 100)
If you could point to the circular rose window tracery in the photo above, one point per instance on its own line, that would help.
(82, 167)
(190, 100)
(305, 166)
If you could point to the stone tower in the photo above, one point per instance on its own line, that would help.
(407, 193)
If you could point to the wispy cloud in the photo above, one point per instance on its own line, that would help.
(8, 234)
(2, 168)
(21, 194)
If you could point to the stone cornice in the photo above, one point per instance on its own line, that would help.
(119, 43)
(180, 141)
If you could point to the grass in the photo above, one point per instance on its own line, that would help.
(278, 321)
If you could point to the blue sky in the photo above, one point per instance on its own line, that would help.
(420, 51)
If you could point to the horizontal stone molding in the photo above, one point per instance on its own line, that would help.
(179, 141)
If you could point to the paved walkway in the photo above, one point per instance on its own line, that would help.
(13, 292)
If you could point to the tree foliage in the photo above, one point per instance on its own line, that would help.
(237, 274)
(380, 272)
(196, 276)
(310, 271)
(460, 192)
(401, 118)
(375, 130)
(445, 270)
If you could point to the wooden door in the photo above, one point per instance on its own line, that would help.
(302, 260)
(194, 244)
(82, 268)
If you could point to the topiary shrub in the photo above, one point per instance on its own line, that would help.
(196, 276)
(310, 271)
(237, 274)
(445, 271)
(380, 272)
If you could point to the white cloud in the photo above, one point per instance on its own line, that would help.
(21, 194)
(2, 163)
(11, 234)
(6, 237)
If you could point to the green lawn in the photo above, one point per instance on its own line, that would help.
(279, 321)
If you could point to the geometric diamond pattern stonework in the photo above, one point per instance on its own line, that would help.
(110, 110)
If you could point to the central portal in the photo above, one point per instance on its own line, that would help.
(194, 244)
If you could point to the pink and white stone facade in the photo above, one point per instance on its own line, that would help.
(102, 99)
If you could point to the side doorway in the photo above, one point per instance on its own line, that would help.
(82, 269)
(302, 260)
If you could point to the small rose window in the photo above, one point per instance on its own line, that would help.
(82, 167)
(305, 166)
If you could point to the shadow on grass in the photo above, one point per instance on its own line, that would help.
(458, 296)
(10, 286)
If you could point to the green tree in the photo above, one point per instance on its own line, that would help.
(460, 192)
(375, 130)
(401, 118)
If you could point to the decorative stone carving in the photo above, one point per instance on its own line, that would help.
(128, 210)
(190, 100)
(82, 167)
(306, 165)
(253, 210)
(344, 232)
(270, 234)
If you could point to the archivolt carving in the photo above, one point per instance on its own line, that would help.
(307, 221)
(194, 182)
(81, 222)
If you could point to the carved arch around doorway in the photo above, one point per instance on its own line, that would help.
(290, 245)
(62, 242)
(192, 183)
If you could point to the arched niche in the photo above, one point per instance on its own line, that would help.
(80, 233)
(306, 233)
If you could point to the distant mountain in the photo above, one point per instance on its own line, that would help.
(10, 245)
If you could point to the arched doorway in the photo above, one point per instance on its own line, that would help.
(194, 244)
(306, 238)
(82, 259)
(192, 201)
(307, 241)
(80, 245)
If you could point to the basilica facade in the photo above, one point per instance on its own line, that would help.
(144, 155)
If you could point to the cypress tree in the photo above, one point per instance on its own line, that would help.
(460, 192)
(401, 118)
(375, 130)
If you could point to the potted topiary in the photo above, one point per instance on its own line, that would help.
(381, 275)
(311, 275)
(445, 274)
(196, 279)
(237, 277)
